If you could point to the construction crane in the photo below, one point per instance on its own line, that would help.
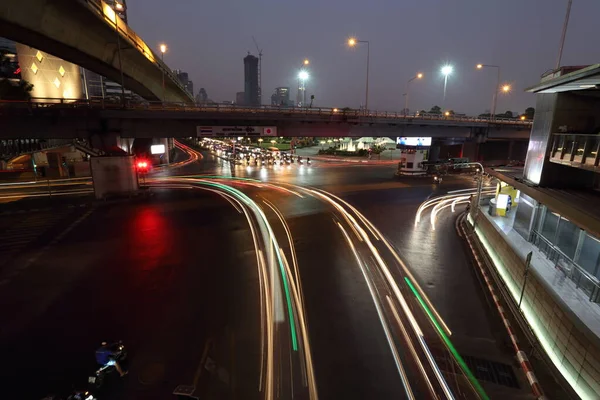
(259, 71)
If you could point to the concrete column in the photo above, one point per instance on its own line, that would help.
(511, 144)
(168, 146)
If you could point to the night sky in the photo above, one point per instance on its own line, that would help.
(209, 39)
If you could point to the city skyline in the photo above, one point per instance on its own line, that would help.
(522, 38)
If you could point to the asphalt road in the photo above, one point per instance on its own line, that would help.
(174, 274)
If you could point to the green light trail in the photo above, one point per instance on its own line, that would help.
(286, 288)
(449, 344)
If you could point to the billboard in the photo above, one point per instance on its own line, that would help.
(413, 141)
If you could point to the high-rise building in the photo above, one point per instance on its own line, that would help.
(251, 80)
(281, 96)
(240, 98)
(185, 80)
(202, 96)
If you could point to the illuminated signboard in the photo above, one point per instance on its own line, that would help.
(413, 141)
(157, 149)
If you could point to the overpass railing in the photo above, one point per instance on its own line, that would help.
(106, 13)
(342, 114)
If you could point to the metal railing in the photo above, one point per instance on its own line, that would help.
(577, 149)
(583, 280)
(342, 114)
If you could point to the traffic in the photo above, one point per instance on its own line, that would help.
(252, 156)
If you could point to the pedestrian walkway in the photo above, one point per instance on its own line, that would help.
(550, 273)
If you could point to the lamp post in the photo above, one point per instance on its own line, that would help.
(163, 50)
(353, 42)
(300, 97)
(446, 70)
(116, 21)
(496, 90)
(418, 76)
(303, 76)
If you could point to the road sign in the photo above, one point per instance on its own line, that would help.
(236, 131)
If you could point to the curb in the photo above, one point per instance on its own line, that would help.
(521, 355)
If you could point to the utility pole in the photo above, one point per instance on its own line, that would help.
(564, 34)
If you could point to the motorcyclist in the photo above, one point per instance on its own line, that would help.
(106, 356)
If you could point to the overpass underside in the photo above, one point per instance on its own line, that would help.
(66, 121)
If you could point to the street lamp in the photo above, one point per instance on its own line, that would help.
(163, 50)
(352, 42)
(418, 76)
(496, 89)
(506, 88)
(446, 70)
(303, 76)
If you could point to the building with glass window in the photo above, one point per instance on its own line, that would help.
(541, 228)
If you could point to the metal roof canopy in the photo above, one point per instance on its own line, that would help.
(587, 78)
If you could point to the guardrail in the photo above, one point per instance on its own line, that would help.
(583, 280)
(106, 104)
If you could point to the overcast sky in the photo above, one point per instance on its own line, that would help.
(209, 39)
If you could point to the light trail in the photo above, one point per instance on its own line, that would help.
(394, 253)
(448, 343)
(386, 330)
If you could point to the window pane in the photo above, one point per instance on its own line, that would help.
(568, 236)
(524, 215)
(549, 226)
(590, 255)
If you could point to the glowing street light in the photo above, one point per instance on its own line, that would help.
(303, 75)
(446, 71)
(418, 76)
(352, 42)
(306, 62)
(447, 113)
(522, 118)
(506, 88)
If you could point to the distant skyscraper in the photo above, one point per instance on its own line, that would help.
(185, 80)
(281, 96)
(240, 98)
(251, 80)
(202, 96)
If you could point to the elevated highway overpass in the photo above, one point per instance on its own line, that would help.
(85, 32)
(47, 119)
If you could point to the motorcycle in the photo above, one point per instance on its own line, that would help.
(437, 179)
(120, 355)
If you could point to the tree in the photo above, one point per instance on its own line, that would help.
(11, 89)
(529, 112)
(507, 114)
(435, 110)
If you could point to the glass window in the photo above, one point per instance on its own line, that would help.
(568, 236)
(549, 225)
(524, 215)
(589, 258)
